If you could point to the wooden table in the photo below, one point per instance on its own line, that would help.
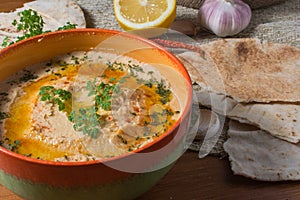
(208, 178)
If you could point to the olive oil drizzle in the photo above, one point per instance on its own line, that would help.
(156, 119)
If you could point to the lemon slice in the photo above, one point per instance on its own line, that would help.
(141, 14)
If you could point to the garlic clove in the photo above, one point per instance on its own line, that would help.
(224, 17)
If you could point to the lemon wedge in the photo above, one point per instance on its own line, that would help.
(141, 14)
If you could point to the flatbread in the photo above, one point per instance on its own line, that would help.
(280, 120)
(264, 91)
(255, 154)
(59, 11)
(217, 102)
(247, 70)
(6, 27)
(55, 13)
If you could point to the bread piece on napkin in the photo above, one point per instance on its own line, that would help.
(247, 70)
(260, 86)
(280, 120)
(256, 154)
(58, 12)
(55, 14)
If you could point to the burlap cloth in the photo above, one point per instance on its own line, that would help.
(278, 23)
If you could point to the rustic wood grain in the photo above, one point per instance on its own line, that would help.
(208, 178)
(211, 178)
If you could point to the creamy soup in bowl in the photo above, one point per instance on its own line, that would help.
(78, 122)
(85, 106)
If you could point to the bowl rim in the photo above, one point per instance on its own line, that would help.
(184, 114)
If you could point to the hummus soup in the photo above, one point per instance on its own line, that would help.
(85, 106)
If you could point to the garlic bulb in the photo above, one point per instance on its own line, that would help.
(224, 17)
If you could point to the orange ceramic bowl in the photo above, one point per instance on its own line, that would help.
(113, 178)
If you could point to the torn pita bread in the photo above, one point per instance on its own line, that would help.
(215, 101)
(68, 12)
(280, 120)
(6, 27)
(256, 154)
(247, 70)
(215, 86)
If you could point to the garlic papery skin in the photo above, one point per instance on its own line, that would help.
(224, 17)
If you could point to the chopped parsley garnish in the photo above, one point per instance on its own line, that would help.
(149, 83)
(28, 155)
(163, 92)
(124, 141)
(136, 67)
(67, 26)
(55, 96)
(6, 42)
(75, 59)
(124, 79)
(115, 66)
(13, 146)
(87, 120)
(168, 111)
(104, 97)
(27, 76)
(4, 97)
(31, 24)
(48, 64)
(133, 113)
(103, 93)
(3, 115)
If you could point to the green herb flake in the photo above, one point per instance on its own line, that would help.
(67, 26)
(31, 24)
(148, 83)
(163, 92)
(124, 141)
(55, 96)
(75, 59)
(103, 93)
(48, 64)
(58, 74)
(28, 155)
(28, 75)
(168, 112)
(112, 79)
(3, 115)
(87, 121)
(4, 97)
(133, 113)
(14, 146)
(6, 42)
